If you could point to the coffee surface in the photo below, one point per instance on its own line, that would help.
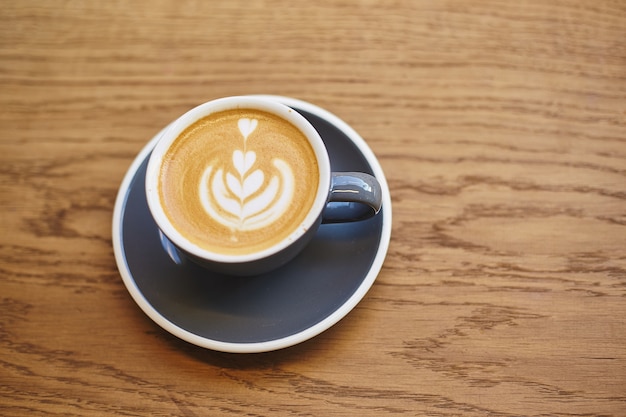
(238, 181)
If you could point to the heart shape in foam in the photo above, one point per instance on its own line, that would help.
(243, 162)
(247, 126)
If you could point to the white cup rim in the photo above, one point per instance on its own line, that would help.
(171, 133)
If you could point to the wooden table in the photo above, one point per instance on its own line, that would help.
(501, 128)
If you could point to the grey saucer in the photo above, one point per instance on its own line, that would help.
(266, 312)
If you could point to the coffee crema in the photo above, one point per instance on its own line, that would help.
(238, 181)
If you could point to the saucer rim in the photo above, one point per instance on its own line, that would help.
(283, 342)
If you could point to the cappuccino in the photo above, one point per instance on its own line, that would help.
(238, 181)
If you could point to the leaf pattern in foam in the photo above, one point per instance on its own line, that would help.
(243, 200)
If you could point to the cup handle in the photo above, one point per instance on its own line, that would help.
(353, 196)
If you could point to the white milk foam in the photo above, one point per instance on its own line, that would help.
(239, 197)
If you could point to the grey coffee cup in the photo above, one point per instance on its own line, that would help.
(340, 197)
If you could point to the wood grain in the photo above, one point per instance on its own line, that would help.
(501, 127)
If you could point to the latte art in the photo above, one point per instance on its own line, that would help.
(238, 181)
(238, 196)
